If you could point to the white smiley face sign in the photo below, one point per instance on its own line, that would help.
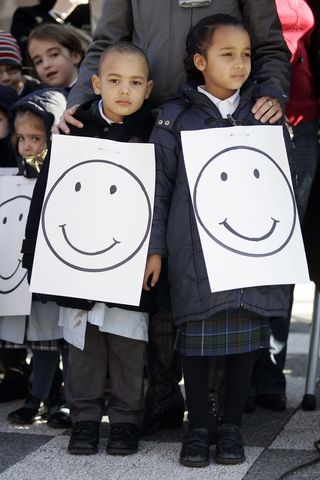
(253, 224)
(13, 215)
(105, 220)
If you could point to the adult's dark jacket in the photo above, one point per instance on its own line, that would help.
(315, 42)
(311, 223)
(135, 128)
(48, 104)
(174, 231)
(160, 29)
(25, 19)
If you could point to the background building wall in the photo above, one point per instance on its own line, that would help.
(7, 7)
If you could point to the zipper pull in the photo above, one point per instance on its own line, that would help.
(232, 120)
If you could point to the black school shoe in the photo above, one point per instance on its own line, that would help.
(84, 438)
(272, 401)
(195, 448)
(60, 418)
(27, 414)
(162, 411)
(15, 384)
(229, 446)
(123, 440)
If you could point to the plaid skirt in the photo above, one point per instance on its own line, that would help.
(225, 333)
(50, 345)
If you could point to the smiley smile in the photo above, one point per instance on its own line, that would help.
(250, 239)
(83, 252)
(10, 276)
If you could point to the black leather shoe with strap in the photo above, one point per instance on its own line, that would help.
(195, 448)
(229, 446)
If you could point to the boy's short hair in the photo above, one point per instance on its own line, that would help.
(10, 53)
(124, 47)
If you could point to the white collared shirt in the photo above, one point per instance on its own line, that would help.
(226, 107)
(73, 82)
(103, 115)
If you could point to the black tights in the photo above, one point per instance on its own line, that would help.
(238, 371)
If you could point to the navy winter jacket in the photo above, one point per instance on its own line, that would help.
(174, 231)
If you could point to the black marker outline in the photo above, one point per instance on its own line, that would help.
(234, 250)
(24, 276)
(122, 262)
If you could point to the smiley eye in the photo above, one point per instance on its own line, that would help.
(20, 217)
(4, 221)
(77, 186)
(113, 189)
(256, 173)
(224, 176)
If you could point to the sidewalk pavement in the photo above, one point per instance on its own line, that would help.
(275, 441)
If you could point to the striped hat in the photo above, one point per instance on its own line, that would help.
(10, 53)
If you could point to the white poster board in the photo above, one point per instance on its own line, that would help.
(15, 197)
(244, 204)
(7, 171)
(95, 221)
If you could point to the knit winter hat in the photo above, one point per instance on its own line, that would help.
(10, 53)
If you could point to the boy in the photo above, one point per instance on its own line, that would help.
(120, 114)
(11, 66)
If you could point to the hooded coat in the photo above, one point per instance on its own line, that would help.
(48, 104)
(174, 231)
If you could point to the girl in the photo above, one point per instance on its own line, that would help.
(228, 323)
(55, 53)
(33, 117)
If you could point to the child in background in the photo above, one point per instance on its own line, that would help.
(59, 62)
(8, 96)
(33, 117)
(209, 324)
(11, 67)
(120, 113)
(56, 53)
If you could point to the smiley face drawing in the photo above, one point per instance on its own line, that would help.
(253, 210)
(104, 218)
(13, 216)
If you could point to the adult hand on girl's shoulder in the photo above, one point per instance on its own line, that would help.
(267, 109)
(68, 117)
(152, 271)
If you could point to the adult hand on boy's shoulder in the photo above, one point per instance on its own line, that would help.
(68, 117)
(267, 109)
(152, 271)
